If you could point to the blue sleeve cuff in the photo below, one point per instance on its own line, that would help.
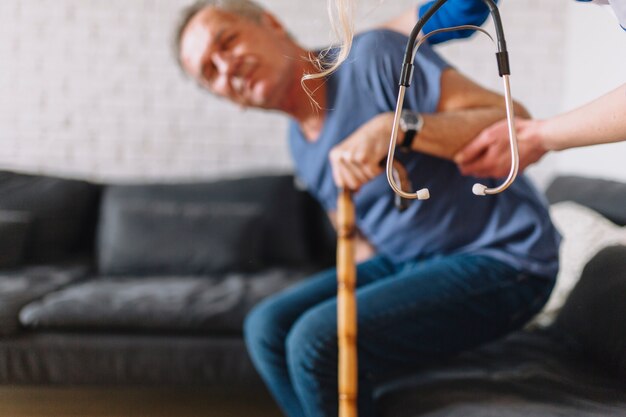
(454, 13)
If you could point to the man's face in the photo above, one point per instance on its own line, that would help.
(236, 58)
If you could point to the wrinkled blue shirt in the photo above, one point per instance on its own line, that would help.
(513, 227)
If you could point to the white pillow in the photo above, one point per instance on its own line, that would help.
(585, 232)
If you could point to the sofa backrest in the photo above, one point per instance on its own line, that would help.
(208, 227)
(57, 216)
(594, 311)
(606, 197)
(594, 314)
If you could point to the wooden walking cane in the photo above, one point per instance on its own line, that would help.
(346, 305)
(346, 298)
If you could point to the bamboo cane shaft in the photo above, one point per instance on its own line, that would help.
(346, 305)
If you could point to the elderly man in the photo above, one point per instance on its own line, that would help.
(445, 275)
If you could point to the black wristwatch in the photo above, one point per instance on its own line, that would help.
(411, 124)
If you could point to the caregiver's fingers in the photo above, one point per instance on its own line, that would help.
(479, 146)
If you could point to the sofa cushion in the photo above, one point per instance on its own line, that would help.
(606, 197)
(62, 213)
(13, 234)
(174, 303)
(585, 232)
(283, 211)
(526, 374)
(595, 312)
(20, 286)
(151, 236)
(127, 359)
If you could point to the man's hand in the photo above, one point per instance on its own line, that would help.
(356, 160)
(489, 154)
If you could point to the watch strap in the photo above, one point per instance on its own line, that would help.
(409, 136)
(411, 123)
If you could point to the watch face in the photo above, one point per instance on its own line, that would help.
(409, 121)
(403, 125)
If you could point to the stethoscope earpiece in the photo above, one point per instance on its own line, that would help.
(479, 189)
(423, 194)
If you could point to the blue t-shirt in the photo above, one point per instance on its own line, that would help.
(513, 227)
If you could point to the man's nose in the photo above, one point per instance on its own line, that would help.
(225, 66)
(223, 63)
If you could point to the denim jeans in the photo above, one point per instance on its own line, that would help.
(409, 315)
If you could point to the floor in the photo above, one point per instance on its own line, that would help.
(132, 402)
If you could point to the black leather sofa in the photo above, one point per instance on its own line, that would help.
(576, 367)
(149, 285)
(145, 284)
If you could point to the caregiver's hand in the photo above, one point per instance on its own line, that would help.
(489, 154)
(356, 160)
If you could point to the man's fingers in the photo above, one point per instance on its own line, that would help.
(346, 177)
(358, 176)
(348, 181)
(351, 170)
(372, 172)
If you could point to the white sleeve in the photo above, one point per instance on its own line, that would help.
(619, 7)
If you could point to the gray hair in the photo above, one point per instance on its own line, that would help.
(244, 8)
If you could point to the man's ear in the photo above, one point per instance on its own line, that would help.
(270, 21)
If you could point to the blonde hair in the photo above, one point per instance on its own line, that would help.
(341, 14)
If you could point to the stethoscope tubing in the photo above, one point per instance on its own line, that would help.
(503, 66)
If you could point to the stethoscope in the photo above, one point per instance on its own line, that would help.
(405, 81)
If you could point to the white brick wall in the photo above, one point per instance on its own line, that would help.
(90, 88)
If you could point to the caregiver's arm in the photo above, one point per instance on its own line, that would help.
(601, 121)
